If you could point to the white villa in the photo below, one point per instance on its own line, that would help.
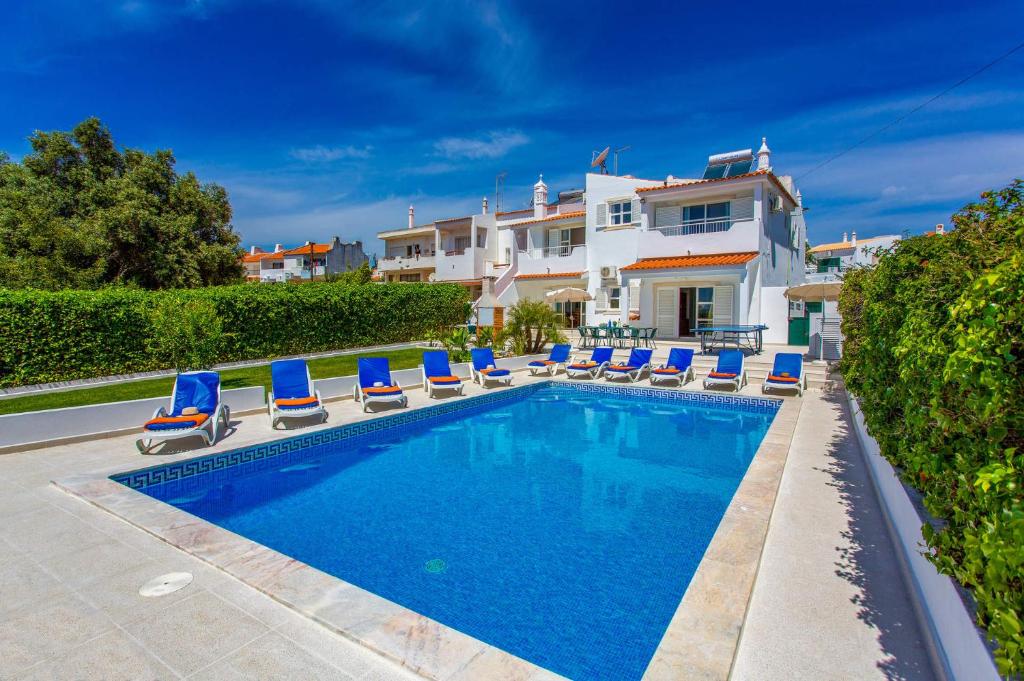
(673, 254)
(303, 262)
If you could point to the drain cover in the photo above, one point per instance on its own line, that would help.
(165, 584)
(435, 566)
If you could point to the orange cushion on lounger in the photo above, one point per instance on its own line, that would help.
(445, 379)
(295, 401)
(622, 367)
(721, 374)
(783, 378)
(667, 370)
(383, 390)
(181, 421)
(583, 365)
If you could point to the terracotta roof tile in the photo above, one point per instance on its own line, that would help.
(692, 183)
(553, 218)
(680, 261)
(551, 275)
(304, 250)
(838, 245)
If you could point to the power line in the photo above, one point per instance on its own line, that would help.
(917, 108)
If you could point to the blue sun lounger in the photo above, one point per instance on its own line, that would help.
(558, 357)
(636, 366)
(375, 385)
(291, 392)
(599, 360)
(484, 370)
(195, 392)
(437, 373)
(786, 374)
(730, 370)
(678, 369)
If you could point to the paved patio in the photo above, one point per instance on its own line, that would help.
(828, 602)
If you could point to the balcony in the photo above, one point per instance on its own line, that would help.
(699, 236)
(406, 262)
(460, 264)
(699, 226)
(553, 259)
(816, 275)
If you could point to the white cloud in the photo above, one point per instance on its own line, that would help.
(494, 144)
(324, 154)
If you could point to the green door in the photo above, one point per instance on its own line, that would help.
(799, 331)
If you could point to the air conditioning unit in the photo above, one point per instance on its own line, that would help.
(776, 204)
(609, 272)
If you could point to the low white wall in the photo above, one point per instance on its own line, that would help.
(34, 427)
(775, 314)
(958, 645)
(53, 426)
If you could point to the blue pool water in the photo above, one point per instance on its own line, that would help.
(560, 525)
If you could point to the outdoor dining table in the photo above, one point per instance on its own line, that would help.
(617, 336)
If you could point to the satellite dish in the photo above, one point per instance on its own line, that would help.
(599, 160)
(431, 277)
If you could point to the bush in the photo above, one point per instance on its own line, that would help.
(934, 351)
(186, 336)
(65, 335)
(530, 324)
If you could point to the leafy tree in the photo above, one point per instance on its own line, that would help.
(530, 324)
(79, 213)
(808, 256)
(361, 275)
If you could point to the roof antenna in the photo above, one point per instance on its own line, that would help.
(599, 158)
(615, 163)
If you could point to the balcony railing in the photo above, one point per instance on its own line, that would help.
(550, 251)
(699, 226)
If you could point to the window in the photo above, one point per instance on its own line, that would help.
(463, 242)
(620, 212)
(409, 277)
(408, 251)
(705, 306)
(614, 297)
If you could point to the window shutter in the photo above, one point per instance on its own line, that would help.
(602, 214)
(665, 315)
(634, 295)
(667, 216)
(602, 299)
(635, 210)
(722, 315)
(742, 208)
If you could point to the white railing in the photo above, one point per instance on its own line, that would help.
(550, 251)
(699, 226)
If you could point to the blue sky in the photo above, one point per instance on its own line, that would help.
(325, 118)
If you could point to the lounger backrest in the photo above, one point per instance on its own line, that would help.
(373, 370)
(482, 358)
(639, 357)
(199, 389)
(790, 363)
(601, 355)
(289, 378)
(435, 363)
(560, 353)
(680, 358)
(730, 362)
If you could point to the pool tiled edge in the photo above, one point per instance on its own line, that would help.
(701, 639)
(699, 643)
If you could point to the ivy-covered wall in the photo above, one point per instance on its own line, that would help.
(934, 352)
(64, 335)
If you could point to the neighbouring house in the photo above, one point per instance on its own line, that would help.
(833, 259)
(673, 254)
(303, 262)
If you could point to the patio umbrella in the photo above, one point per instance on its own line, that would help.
(825, 290)
(568, 295)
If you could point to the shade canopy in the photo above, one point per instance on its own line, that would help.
(816, 291)
(568, 295)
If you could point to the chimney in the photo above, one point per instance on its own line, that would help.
(485, 205)
(252, 250)
(540, 198)
(278, 248)
(853, 240)
(764, 155)
(940, 228)
(412, 217)
(799, 198)
(845, 239)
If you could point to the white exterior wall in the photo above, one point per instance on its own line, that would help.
(774, 311)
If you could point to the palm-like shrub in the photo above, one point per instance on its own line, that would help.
(530, 325)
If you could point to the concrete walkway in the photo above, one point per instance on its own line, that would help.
(830, 601)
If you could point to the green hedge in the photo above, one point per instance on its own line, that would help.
(57, 336)
(934, 352)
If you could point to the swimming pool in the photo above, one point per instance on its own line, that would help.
(561, 523)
